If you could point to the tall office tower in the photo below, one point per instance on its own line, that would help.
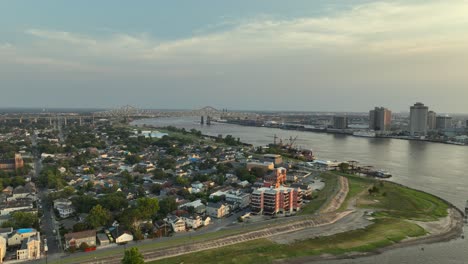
(418, 119)
(431, 120)
(340, 122)
(443, 122)
(380, 119)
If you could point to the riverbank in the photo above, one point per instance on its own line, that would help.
(434, 168)
(345, 132)
(394, 226)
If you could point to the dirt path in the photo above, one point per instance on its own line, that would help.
(337, 200)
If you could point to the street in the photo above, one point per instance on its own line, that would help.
(47, 221)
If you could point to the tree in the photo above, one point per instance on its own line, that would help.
(132, 159)
(182, 181)
(98, 216)
(80, 227)
(114, 201)
(245, 175)
(147, 207)
(167, 205)
(22, 220)
(133, 256)
(258, 172)
(222, 168)
(167, 163)
(156, 188)
(159, 174)
(344, 167)
(84, 203)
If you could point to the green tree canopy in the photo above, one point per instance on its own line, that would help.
(22, 220)
(147, 207)
(167, 205)
(114, 201)
(133, 256)
(98, 216)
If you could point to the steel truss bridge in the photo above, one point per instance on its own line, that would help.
(126, 112)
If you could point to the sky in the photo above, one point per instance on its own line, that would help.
(303, 55)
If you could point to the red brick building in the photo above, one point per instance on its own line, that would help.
(12, 164)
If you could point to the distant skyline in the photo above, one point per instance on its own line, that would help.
(327, 55)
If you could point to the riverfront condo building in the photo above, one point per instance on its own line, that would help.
(380, 119)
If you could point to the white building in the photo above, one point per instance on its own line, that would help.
(192, 221)
(238, 199)
(217, 210)
(65, 211)
(177, 224)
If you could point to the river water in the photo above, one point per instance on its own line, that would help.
(439, 169)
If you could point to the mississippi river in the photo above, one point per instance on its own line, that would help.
(439, 169)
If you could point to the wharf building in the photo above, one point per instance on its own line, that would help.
(418, 120)
(380, 119)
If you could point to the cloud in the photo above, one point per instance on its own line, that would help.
(382, 29)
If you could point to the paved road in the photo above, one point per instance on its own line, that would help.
(47, 222)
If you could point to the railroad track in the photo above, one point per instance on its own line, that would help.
(151, 255)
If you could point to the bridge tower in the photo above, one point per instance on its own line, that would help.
(202, 120)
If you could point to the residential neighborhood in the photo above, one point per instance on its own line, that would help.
(92, 187)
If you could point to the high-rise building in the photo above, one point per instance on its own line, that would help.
(418, 119)
(380, 119)
(431, 120)
(444, 122)
(340, 122)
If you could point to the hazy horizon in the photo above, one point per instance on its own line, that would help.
(258, 55)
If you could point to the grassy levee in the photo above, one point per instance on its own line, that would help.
(320, 198)
(394, 200)
(383, 233)
(357, 185)
(393, 205)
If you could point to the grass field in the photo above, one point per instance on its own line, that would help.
(321, 197)
(356, 186)
(393, 200)
(384, 232)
